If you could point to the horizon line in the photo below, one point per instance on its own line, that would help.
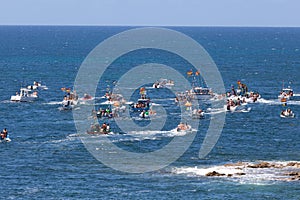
(211, 26)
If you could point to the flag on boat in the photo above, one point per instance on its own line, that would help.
(189, 73)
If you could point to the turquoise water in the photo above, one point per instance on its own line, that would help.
(47, 160)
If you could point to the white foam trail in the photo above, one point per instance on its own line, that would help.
(107, 103)
(6, 101)
(277, 102)
(214, 111)
(53, 103)
(155, 104)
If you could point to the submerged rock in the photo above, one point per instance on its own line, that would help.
(293, 164)
(214, 173)
(262, 165)
(240, 174)
(238, 164)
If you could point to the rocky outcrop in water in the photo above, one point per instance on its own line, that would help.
(243, 168)
(214, 173)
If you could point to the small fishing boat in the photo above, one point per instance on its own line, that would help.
(25, 95)
(69, 104)
(143, 103)
(96, 129)
(70, 100)
(288, 113)
(231, 108)
(87, 97)
(163, 83)
(183, 127)
(105, 112)
(37, 86)
(286, 94)
(7, 139)
(4, 137)
(198, 114)
(202, 93)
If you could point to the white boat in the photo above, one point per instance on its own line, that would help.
(163, 83)
(182, 127)
(287, 114)
(286, 93)
(25, 95)
(230, 108)
(7, 139)
(198, 114)
(70, 100)
(202, 93)
(69, 104)
(37, 86)
(249, 97)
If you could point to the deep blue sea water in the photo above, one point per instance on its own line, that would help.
(47, 160)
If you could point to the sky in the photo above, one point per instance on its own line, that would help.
(151, 12)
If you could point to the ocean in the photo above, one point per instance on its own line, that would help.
(47, 159)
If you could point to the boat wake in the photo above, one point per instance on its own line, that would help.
(53, 103)
(277, 102)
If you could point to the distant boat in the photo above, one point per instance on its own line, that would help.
(287, 114)
(37, 86)
(285, 93)
(97, 130)
(143, 103)
(70, 99)
(6, 140)
(183, 127)
(25, 95)
(163, 83)
(201, 93)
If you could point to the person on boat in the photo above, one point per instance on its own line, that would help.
(233, 92)
(244, 100)
(143, 114)
(104, 127)
(180, 126)
(289, 111)
(4, 134)
(107, 128)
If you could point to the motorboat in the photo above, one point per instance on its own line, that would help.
(69, 104)
(143, 103)
(87, 97)
(231, 108)
(7, 139)
(70, 99)
(25, 95)
(96, 129)
(288, 113)
(198, 114)
(163, 83)
(286, 94)
(182, 127)
(105, 112)
(37, 86)
(202, 93)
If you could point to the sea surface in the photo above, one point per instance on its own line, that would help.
(46, 158)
